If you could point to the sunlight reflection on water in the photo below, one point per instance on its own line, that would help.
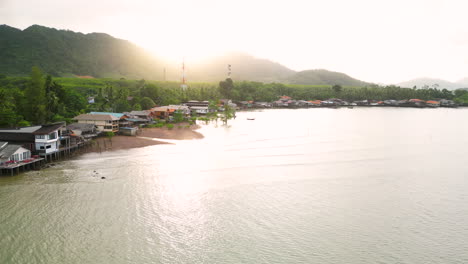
(293, 186)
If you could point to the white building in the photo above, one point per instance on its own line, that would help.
(47, 138)
(12, 152)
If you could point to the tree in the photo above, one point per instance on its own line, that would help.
(226, 87)
(228, 113)
(7, 117)
(178, 116)
(137, 107)
(447, 94)
(337, 88)
(23, 123)
(147, 103)
(36, 97)
(460, 92)
(122, 105)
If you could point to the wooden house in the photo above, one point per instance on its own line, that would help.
(13, 153)
(104, 122)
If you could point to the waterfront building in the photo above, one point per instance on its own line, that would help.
(85, 131)
(432, 104)
(11, 153)
(103, 122)
(48, 138)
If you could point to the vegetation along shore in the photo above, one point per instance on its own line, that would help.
(45, 118)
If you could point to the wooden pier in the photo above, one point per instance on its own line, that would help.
(22, 166)
(41, 159)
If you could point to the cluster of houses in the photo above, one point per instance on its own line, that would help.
(288, 102)
(24, 147)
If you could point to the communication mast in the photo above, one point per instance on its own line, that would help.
(229, 71)
(183, 85)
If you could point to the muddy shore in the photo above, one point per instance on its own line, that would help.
(143, 139)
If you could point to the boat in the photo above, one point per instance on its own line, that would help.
(250, 118)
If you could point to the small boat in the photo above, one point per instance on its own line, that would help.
(250, 118)
(350, 107)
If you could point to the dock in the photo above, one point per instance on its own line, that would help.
(22, 166)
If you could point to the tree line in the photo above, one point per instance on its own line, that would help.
(40, 99)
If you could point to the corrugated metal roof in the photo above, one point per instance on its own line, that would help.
(8, 151)
(3, 144)
(81, 126)
(29, 129)
(46, 129)
(140, 113)
(96, 117)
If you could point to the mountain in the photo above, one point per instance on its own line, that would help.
(463, 82)
(323, 77)
(243, 67)
(60, 52)
(431, 82)
(65, 53)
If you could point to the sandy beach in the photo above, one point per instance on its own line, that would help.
(144, 138)
(182, 133)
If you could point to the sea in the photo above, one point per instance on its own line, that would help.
(352, 186)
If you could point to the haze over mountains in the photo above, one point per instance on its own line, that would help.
(432, 82)
(68, 53)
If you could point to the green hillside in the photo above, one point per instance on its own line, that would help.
(61, 52)
(68, 53)
(323, 77)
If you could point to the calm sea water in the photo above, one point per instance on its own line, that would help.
(356, 185)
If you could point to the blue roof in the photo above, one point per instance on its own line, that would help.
(136, 120)
(118, 115)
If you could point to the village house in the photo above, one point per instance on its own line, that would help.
(48, 138)
(432, 104)
(104, 122)
(262, 105)
(161, 112)
(228, 102)
(82, 130)
(20, 136)
(391, 102)
(10, 153)
(121, 116)
(185, 110)
(417, 103)
(315, 103)
(197, 103)
(199, 107)
(144, 115)
(202, 110)
(167, 112)
(43, 139)
(447, 103)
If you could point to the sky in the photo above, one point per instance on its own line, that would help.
(373, 40)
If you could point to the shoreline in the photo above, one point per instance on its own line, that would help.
(144, 138)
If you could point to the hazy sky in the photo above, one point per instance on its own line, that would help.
(372, 40)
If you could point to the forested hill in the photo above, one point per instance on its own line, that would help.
(67, 53)
(61, 52)
(324, 77)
